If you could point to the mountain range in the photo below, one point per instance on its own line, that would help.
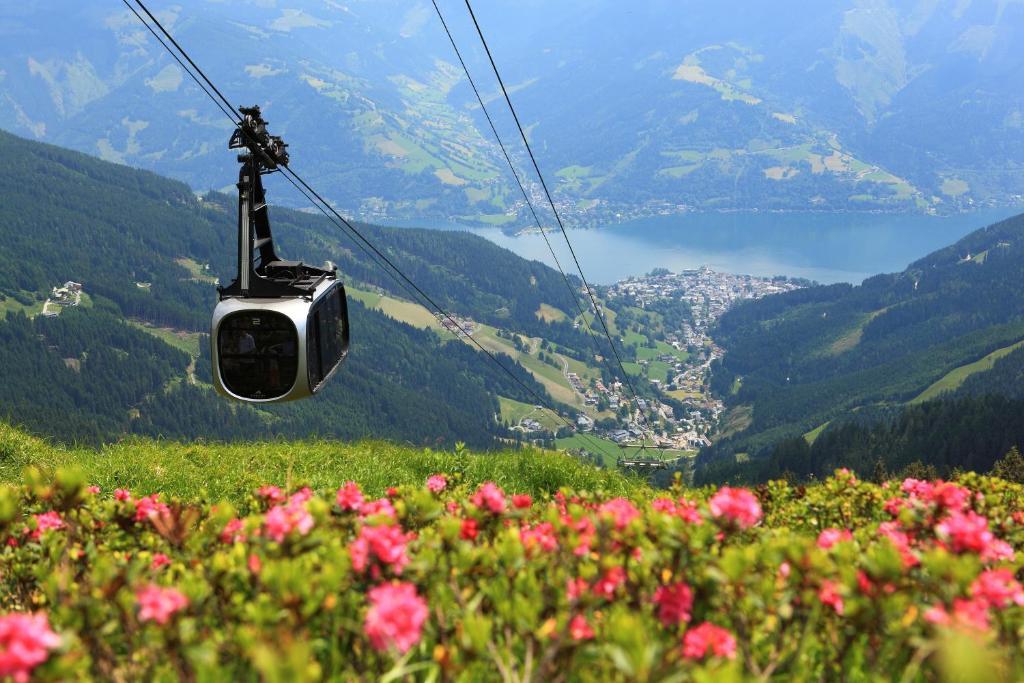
(852, 105)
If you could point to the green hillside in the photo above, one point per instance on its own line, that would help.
(840, 353)
(133, 358)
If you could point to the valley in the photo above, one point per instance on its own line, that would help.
(580, 341)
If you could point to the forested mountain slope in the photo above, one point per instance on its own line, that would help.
(139, 243)
(824, 355)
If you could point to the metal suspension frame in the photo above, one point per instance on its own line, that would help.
(261, 274)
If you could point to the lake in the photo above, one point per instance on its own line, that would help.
(827, 247)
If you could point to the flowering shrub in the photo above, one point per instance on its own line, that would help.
(451, 581)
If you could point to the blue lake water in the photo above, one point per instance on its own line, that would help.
(835, 247)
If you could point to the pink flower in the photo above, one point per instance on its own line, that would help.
(949, 496)
(159, 604)
(254, 564)
(384, 543)
(687, 511)
(159, 560)
(894, 505)
(937, 614)
(392, 492)
(489, 497)
(579, 629)
(436, 483)
(47, 521)
(122, 495)
(674, 604)
(94, 490)
(708, 638)
(301, 496)
(232, 532)
(574, 588)
(584, 528)
(541, 536)
(350, 498)
(829, 537)
(967, 614)
(25, 643)
(684, 509)
(468, 531)
(284, 519)
(609, 582)
(271, 494)
(664, 506)
(997, 588)
(620, 510)
(828, 594)
(521, 501)
(739, 506)
(996, 551)
(381, 506)
(148, 507)
(942, 494)
(916, 488)
(965, 532)
(396, 617)
(901, 540)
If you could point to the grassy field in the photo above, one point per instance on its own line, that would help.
(608, 450)
(550, 314)
(611, 451)
(658, 370)
(954, 378)
(196, 270)
(681, 395)
(11, 305)
(813, 435)
(513, 411)
(403, 311)
(233, 472)
(185, 341)
(550, 377)
(661, 348)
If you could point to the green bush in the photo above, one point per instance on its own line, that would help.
(450, 579)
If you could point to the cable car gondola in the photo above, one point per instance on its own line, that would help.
(280, 330)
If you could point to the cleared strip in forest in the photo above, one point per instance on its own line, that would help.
(952, 380)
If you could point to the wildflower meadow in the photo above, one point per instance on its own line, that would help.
(456, 580)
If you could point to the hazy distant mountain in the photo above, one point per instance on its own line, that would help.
(858, 104)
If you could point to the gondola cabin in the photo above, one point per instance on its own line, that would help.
(269, 350)
(280, 330)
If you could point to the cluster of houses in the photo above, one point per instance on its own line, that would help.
(458, 326)
(709, 293)
(689, 426)
(70, 294)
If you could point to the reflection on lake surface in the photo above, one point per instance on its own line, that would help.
(825, 247)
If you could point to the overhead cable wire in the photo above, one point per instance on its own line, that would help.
(324, 206)
(526, 197)
(185, 55)
(228, 111)
(554, 210)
